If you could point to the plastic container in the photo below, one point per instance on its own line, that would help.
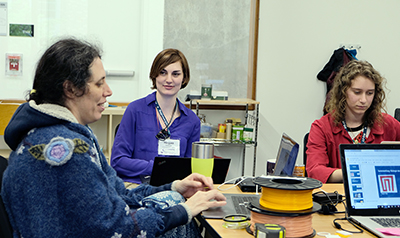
(247, 134)
(229, 129)
(237, 133)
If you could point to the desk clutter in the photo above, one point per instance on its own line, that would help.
(286, 202)
(231, 130)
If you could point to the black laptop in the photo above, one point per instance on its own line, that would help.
(371, 178)
(169, 169)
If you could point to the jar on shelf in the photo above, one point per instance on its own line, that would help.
(247, 134)
(237, 133)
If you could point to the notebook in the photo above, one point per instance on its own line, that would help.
(235, 205)
(371, 178)
(169, 169)
(286, 157)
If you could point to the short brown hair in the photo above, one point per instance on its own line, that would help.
(165, 58)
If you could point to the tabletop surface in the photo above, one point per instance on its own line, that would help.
(320, 223)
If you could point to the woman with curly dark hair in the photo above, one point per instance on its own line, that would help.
(356, 114)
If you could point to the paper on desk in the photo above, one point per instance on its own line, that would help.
(389, 231)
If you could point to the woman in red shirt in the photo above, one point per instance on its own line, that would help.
(356, 114)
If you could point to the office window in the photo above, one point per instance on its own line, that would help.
(214, 36)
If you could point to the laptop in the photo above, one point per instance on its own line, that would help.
(235, 205)
(371, 178)
(286, 157)
(169, 169)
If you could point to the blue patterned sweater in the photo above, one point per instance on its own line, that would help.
(58, 185)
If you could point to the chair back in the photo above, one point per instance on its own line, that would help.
(6, 112)
(5, 226)
(305, 141)
(397, 114)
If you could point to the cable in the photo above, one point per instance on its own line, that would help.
(238, 179)
(338, 226)
(328, 207)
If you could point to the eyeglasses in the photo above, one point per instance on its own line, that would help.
(163, 134)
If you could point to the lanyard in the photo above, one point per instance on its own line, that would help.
(167, 124)
(363, 136)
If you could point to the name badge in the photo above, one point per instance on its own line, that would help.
(169, 147)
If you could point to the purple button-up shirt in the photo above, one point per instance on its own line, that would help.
(135, 144)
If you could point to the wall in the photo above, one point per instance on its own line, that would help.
(130, 33)
(296, 40)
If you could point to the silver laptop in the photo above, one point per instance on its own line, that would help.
(235, 205)
(286, 157)
(371, 178)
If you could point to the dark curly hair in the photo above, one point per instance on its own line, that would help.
(67, 59)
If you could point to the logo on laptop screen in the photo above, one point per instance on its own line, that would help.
(387, 184)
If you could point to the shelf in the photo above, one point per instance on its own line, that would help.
(230, 104)
(218, 141)
(231, 101)
(245, 104)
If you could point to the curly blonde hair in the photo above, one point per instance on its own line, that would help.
(342, 82)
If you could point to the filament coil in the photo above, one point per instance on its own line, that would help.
(286, 201)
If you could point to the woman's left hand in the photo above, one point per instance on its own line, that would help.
(193, 183)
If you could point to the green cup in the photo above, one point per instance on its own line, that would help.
(203, 158)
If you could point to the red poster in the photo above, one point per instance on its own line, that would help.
(14, 64)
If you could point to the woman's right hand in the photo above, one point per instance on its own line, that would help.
(202, 200)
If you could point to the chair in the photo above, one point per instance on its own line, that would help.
(305, 140)
(397, 114)
(5, 226)
(116, 130)
(6, 112)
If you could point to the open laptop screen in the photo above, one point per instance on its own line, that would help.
(287, 155)
(371, 176)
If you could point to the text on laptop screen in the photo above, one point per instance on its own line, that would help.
(374, 178)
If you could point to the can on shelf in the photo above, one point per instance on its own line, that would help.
(237, 132)
(247, 134)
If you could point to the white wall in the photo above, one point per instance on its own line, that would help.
(296, 40)
(130, 32)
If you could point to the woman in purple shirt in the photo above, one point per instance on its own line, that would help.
(158, 124)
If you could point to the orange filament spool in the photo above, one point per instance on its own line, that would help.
(286, 201)
(300, 226)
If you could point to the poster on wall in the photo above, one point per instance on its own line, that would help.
(3, 18)
(25, 30)
(14, 64)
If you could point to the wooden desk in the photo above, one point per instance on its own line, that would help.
(5, 153)
(320, 223)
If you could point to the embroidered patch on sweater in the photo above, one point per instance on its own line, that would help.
(59, 150)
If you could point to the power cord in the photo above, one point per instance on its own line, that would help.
(236, 181)
(346, 218)
(328, 201)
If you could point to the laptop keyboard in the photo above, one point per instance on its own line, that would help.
(387, 222)
(240, 203)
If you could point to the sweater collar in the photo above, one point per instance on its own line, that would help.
(54, 110)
